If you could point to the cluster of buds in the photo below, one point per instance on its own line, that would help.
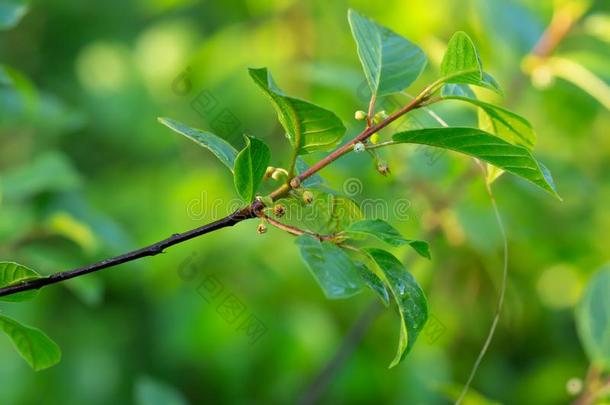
(380, 116)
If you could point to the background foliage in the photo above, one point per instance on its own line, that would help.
(86, 171)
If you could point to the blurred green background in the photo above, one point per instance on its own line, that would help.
(87, 172)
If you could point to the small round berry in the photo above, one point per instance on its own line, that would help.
(279, 210)
(574, 386)
(360, 115)
(261, 229)
(374, 138)
(358, 147)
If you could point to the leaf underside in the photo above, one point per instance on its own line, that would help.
(486, 147)
(410, 298)
(250, 166)
(503, 123)
(386, 233)
(223, 150)
(38, 350)
(331, 267)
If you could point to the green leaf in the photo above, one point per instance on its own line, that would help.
(32, 344)
(486, 147)
(309, 128)
(332, 268)
(222, 149)
(250, 166)
(409, 297)
(503, 123)
(11, 13)
(374, 283)
(390, 62)
(328, 213)
(13, 273)
(593, 319)
(152, 392)
(461, 64)
(386, 233)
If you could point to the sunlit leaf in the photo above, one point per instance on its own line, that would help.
(390, 62)
(486, 147)
(33, 345)
(503, 123)
(250, 166)
(386, 233)
(333, 269)
(409, 297)
(461, 64)
(593, 319)
(223, 150)
(13, 273)
(308, 127)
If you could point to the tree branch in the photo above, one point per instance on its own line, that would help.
(251, 211)
(242, 214)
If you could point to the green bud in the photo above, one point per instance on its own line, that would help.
(383, 168)
(307, 197)
(295, 183)
(269, 172)
(380, 116)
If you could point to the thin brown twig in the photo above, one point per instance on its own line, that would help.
(33, 284)
(293, 230)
